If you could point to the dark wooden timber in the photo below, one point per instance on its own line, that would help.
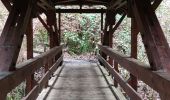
(156, 4)
(134, 42)
(80, 10)
(29, 35)
(59, 26)
(126, 87)
(101, 21)
(44, 24)
(118, 24)
(13, 32)
(9, 80)
(80, 2)
(158, 80)
(7, 4)
(155, 43)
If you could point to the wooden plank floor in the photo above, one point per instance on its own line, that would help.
(79, 80)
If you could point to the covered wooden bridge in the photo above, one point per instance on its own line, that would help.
(83, 80)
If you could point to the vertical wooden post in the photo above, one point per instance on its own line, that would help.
(110, 43)
(30, 79)
(116, 68)
(134, 33)
(59, 27)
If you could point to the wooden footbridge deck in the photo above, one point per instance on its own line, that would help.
(80, 80)
(84, 80)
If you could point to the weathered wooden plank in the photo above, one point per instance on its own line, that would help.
(126, 87)
(159, 82)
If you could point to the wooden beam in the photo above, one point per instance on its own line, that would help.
(134, 42)
(7, 4)
(101, 21)
(80, 10)
(158, 80)
(44, 24)
(80, 2)
(30, 80)
(118, 23)
(126, 87)
(13, 32)
(156, 4)
(59, 26)
(155, 43)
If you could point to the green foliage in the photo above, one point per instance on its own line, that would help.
(17, 93)
(83, 40)
(41, 40)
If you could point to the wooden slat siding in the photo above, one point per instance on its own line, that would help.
(126, 87)
(10, 80)
(80, 10)
(38, 88)
(159, 81)
(155, 43)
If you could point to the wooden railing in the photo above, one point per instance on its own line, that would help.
(158, 80)
(10, 80)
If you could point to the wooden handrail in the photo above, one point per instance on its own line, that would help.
(33, 94)
(9, 80)
(158, 80)
(127, 88)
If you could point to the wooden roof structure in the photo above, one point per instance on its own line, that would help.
(143, 20)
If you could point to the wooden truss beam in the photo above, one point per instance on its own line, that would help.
(155, 43)
(30, 80)
(134, 35)
(80, 10)
(13, 32)
(80, 2)
(7, 4)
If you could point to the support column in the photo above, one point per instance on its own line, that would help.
(30, 79)
(59, 27)
(134, 34)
